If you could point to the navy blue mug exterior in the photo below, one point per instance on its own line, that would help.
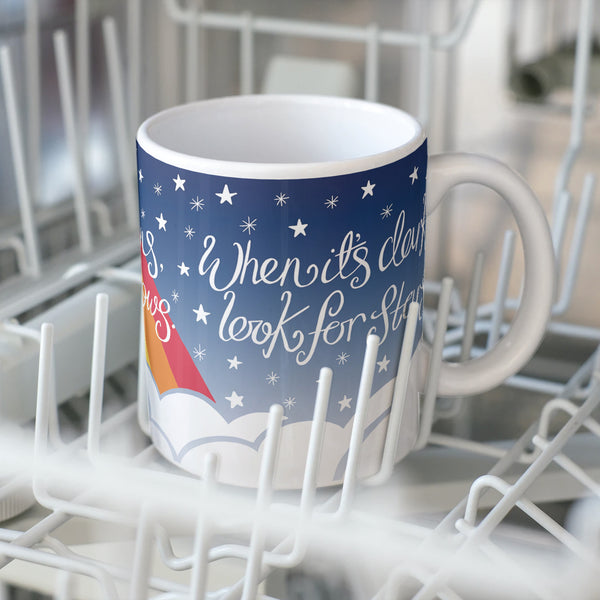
(251, 285)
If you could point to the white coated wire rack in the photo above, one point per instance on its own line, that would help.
(108, 518)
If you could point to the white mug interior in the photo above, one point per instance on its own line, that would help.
(280, 136)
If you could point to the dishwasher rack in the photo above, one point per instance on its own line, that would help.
(108, 518)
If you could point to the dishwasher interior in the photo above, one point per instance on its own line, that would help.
(500, 497)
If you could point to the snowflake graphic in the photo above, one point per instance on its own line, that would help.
(289, 402)
(189, 232)
(386, 212)
(342, 358)
(157, 189)
(175, 296)
(331, 202)
(272, 378)
(142, 213)
(199, 352)
(197, 204)
(248, 225)
(281, 199)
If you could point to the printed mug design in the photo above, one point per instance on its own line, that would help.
(250, 286)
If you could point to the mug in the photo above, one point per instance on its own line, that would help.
(277, 233)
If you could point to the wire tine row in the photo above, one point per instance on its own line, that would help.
(292, 549)
(561, 212)
(260, 560)
(477, 535)
(373, 38)
(255, 553)
(75, 113)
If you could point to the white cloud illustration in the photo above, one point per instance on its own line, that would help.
(186, 428)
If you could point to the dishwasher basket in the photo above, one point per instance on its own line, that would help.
(500, 497)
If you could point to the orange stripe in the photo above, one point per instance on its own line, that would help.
(157, 359)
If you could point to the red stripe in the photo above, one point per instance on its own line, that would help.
(182, 365)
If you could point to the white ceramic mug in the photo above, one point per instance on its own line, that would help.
(277, 232)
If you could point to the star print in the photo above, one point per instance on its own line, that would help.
(281, 199)
(183, 270)
(175, 296)
(386, 212)
(248, 225)
(383, 363)
(179, 183)
(162, 222)
(201, 314)
(140, 175)
(289, 402)
(142, 213)
(235, 399)
(234, 363)
(368, 189)
(226, 195)
(413, 176)
(331, 202)
(299, 228)
(272, 378)
(157, 189)
(199, 352)
(344, 402)
(189, 232)
(197, 204)
(342, 358)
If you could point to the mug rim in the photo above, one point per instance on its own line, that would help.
(281, 170)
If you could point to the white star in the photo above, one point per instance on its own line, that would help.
(383, 363)
(189, 232)
(142, 213)
(183, 270)
(234, 399)
(368, 189)
(175, 296)
(179, 183)
(157, 189)
(234, 363)
(201, 314)
(344, 402)
(299, 228)
(289, 402)
(226, 195)
(414, 175)
(140, 175)
(162, 222)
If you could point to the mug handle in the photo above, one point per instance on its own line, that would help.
(513, 350)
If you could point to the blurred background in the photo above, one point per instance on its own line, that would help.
(489, 76)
